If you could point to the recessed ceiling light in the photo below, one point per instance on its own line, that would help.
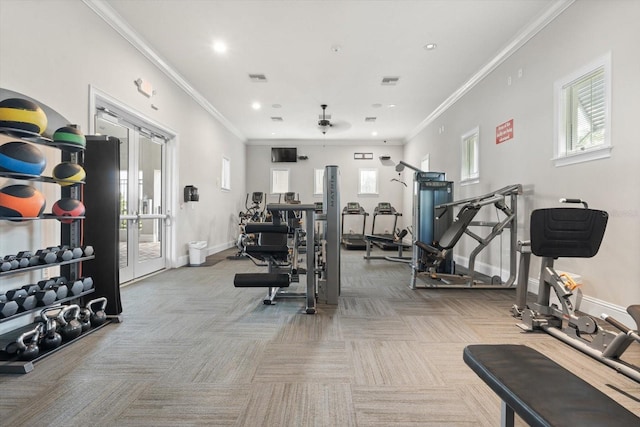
(219, 46)
(430, 46)
(391, 105)
(256, 106)
(374, 133)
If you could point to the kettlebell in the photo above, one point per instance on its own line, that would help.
(98, 317)
(29, 351)
(84, 317)
(68, 318)
(52, 339)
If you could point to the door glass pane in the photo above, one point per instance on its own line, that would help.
(105, 125)
(149, 199)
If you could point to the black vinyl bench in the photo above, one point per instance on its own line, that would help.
(542, 392)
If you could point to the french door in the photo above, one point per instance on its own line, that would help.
(142, 231)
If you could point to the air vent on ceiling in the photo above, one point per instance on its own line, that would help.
(389, 81)
(277, 119)
(370, 119)
(258, 78)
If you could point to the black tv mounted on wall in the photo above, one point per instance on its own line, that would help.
(284, 154)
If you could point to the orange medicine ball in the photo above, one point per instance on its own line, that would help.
(21, 201)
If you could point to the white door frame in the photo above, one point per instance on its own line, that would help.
(98, 98)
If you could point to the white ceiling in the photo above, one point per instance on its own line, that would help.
(293, 44)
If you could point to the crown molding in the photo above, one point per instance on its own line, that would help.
(111, 17)
(533, 28)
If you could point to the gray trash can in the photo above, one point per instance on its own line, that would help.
(197, 252)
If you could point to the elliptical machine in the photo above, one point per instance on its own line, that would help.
(574, 233)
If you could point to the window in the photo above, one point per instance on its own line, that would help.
(470, 171)
(368, 182)
(226, 174)
(424, 164)
(279, 181)
(318, 182)
(583, 101)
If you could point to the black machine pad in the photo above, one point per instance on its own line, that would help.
(261, 280)
(567, 232)
(542, 392)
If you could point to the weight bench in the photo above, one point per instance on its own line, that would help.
(271, 248)
(542, 392)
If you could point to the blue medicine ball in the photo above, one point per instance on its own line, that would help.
(21, 158)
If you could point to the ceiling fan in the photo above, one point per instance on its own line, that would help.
(324, 124)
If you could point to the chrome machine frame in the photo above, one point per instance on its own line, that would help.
(471, 278)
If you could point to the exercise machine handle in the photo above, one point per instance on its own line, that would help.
(618, 324)
(586, 206)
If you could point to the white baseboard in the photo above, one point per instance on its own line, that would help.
(586, 304)
(184, 259)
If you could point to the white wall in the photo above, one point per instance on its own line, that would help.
(611, 184)
(54, 50)
(259, 171)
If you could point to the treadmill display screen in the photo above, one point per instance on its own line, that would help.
(384, 207)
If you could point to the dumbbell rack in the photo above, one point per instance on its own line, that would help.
(71, 234)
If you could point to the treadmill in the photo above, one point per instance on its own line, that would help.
(352, 240)
(385, 208)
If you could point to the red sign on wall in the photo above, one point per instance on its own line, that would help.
(504, 132)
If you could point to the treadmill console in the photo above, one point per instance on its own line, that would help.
(384, 208)
(352, 208)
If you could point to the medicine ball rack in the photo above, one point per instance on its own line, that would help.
(71, 234)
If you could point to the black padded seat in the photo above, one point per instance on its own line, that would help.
(265, 227)
(261, 280)
(567, 232)
(542, 392)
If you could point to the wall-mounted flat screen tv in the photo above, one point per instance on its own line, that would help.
(284, 154)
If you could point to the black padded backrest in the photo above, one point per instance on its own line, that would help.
(567, 232)
(452, 234)
(272, 239)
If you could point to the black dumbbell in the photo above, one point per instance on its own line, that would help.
(64, 254)
(8, 308)
(44, 256)
(46, 284)
(22, 298)
(87, 283)
(24, 258)
(45, 297)
(14, 294)
(60, 286)
(13, 262)
(76, 252)
(30, 301)
(31, 289)
(76, 287)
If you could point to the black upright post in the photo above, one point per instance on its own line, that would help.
(101, 226)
